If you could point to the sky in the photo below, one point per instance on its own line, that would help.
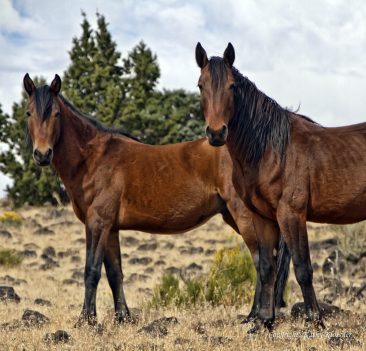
(310, 53)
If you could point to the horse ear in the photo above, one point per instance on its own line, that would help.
(28, 84)
(201, 56)
(229, 54)
(56, 84)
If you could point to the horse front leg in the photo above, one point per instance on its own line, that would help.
(293, 226)
(113, 267)
(268, 237)
(97, 238)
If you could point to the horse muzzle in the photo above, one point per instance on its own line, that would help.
(43, 158)
(217, 137)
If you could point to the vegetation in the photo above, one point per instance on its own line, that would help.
(9, 258)
(230, 282)
(122, 93)
(11, 218)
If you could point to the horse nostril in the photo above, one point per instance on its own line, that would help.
(208, 131)
(223, 131)
(37, 154)
(48, 153)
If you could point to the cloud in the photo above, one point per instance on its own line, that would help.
(310, 53)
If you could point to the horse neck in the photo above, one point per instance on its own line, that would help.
(72, 148)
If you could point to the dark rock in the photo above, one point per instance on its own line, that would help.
(4, 234)
(323, 244)
(172, 270)
(192, 250)
(158, 328)
(34, 318)
(49, 252)
(168, 245)
(50, 264)
(298, 310)
(134, 277)
(42, 302)
(27, 253)
(199, 328)
(181, 341)
(32, 223)
(344, 340)
(140, 260)
(151, 246)
(75, 259)
(129, 241)
(217, 340)
(67, 253)
(13, 281)
(58, 337)
(210, 252)
(44, 231)
(7, 293)
(70, 282)
(194, 267)
(160, 263)
(78, 275)
(31, 246)
(149, 270)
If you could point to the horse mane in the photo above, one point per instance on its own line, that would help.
(258, 120)
(44, 101)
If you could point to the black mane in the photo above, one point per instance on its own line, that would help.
(44, 101)
(258, 120)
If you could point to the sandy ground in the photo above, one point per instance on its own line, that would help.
(61, 283)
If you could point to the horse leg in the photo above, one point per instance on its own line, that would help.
(113, 267)
(243, 224)
(293, 226)
(268, 237)
(99, 233)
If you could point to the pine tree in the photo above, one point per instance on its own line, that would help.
(78, 79)
(31, 183)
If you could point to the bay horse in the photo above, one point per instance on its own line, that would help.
(115, 182)
(287, 169)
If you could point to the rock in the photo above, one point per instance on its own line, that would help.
(191, 250)
(194, 267)
(199, 328)
(129, 241)
(67, 253)
(160, 263)
(298, 310)
(75, 259)
(49, 252)
(181, 341)
(172, 270)
(210, 252)
(217, 340)
(42, 302)
(323, 244)
(158, 328)
(149, 270)
(70, 282)
(140, 260)
(7, 293)
(60, 336)
(79, 241)
(343, 340)
(44, 231)
(168, 245)
(13, 281)
(134, 277)
(4, 234)
(151, 246)
(31, 246)
(34, 318)
(78, 275)
(27, 253)
(50, 264)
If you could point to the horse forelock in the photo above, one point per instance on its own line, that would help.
(218, 72)
(44, 100)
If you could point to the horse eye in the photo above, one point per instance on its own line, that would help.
(58, 114)
(200, 87)
(232, 86)
(28, 114)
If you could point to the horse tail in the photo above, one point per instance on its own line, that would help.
(283, 265)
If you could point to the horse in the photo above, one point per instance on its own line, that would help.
(116, 183)
(286, 168)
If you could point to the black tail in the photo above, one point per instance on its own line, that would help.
(283, 265)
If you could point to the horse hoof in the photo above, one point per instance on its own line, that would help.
(125, 319)
(261, 326)
(83, 321)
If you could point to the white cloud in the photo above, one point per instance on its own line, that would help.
(310, 52)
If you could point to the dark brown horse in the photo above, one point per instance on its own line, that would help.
(115, 182)
(287, 169)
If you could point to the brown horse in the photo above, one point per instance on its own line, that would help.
(287, 169)
(115, 182)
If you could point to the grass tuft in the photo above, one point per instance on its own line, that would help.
(9, 258)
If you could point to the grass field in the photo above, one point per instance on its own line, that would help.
(57, 279)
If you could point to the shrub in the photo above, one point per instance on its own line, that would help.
(11, 218)
(230, 281)
(9, 258)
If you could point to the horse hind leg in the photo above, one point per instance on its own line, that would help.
(113, 267)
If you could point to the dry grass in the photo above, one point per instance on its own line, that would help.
(198, 328)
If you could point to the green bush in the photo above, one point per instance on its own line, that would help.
(9, 258)
(230, 281)
(352, 239)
